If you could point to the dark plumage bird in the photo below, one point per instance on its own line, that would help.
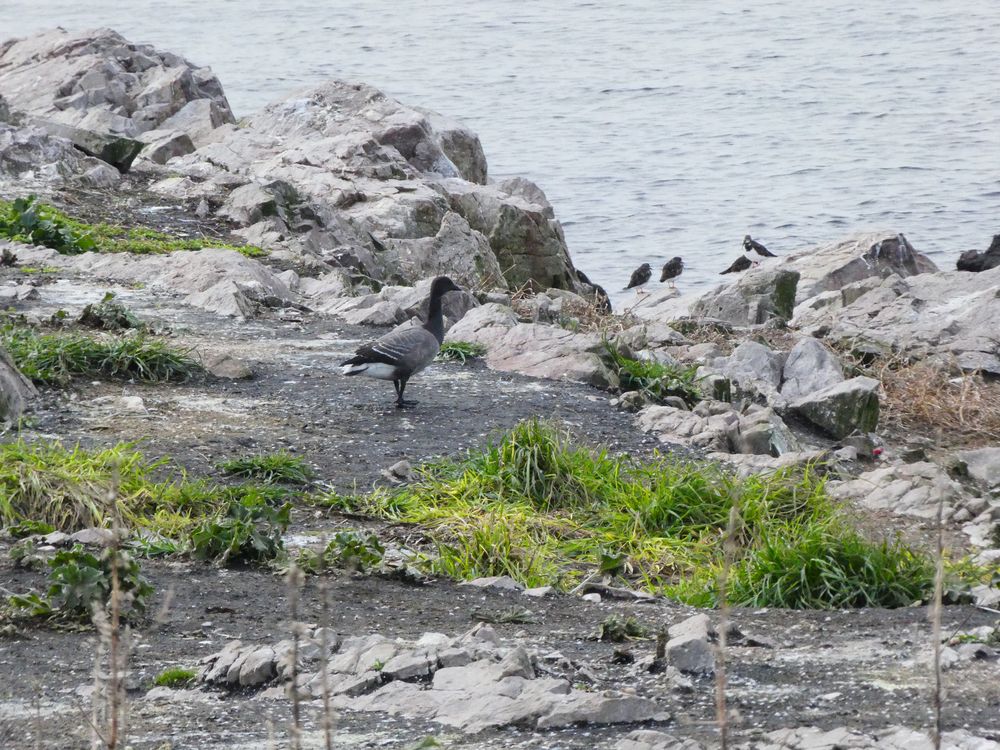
(672, 269)
(640, 276)
(402, 353)
(601, 299)
(973, 260)
(751, 245)
(740, 264)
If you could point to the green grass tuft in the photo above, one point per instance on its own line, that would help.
(270, 467)
(175, 677)
(460, 351)
(536, 507)
(55, 358)
(68, 489)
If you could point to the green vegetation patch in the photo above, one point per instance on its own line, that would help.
(460, 351)
(247, 531)
(175, 677)
(72, 488)
(78, 579)
(655, 380)
(535, 506)
(31, 221)
(270, 467)
(55, 358)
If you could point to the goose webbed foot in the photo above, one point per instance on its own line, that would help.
(401, 403)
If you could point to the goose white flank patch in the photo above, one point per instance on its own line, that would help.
(402, 353)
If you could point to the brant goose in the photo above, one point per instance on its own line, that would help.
(672, 269)
(751, 245)
(403, 352)
(639, 277)
(740, 264)
(601, 299)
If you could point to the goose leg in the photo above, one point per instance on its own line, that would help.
(400, 386)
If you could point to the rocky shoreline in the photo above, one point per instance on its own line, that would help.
(355, 201)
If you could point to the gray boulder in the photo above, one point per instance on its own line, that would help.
(870, 255)
(678, 426)
(116, 150)
(809, 367)
(842, 408)
(16, 391)
(200, 120)
(161, 145)
(376, 178)
(541, 351)
(99, 81)
(460, 145)
(31, 157)
(756, 297)
(982, 465)
(762, 432)
(752, 367)
(951, 315)
(910, 490)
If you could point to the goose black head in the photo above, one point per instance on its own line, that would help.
(442, 285)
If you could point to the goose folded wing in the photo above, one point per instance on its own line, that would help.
(407, 349)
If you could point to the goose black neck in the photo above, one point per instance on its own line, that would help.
(435, 320)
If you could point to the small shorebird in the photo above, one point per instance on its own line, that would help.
(740, 264)
(671, 270)
(640, 276)
(751, 245)
(402, 353)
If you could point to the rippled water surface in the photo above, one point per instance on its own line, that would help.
(656, 129)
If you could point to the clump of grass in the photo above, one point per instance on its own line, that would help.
(270, 467)
(175, 677)
(55, 358)
(924, 399)
(29, 220)
(655, 380)
(536, 507)
(460, 351)
(67, 489)
(828, 566)
(618, 629)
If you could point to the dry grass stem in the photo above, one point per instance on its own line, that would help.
(936, 622)
(729, 555)
(295, 579)
(923, 399)
(324, 593)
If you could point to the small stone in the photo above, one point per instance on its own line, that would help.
(699, 626)
(539, 591)
(222, 365)
(593, 597)
(399, 472)
(94, 537)
(259, 667)
(132, 403)
(504, 583)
